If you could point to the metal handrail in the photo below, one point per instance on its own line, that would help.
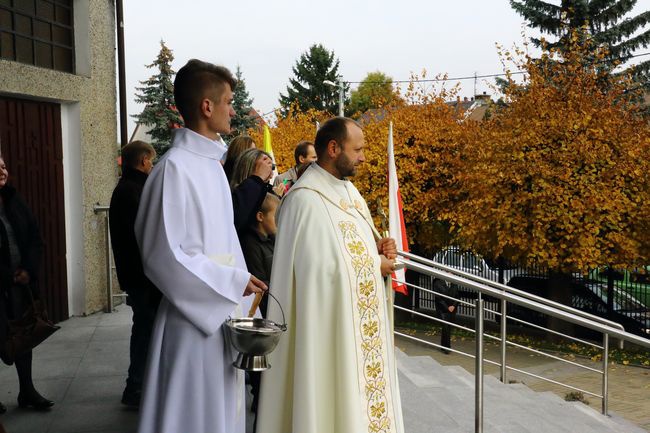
(492, 337)
(498, 313)
(509, 289)
(489, 361)
(97, 209)
(566, 313)
(503, 333)
(507, 294)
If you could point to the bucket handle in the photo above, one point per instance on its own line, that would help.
(284, 325)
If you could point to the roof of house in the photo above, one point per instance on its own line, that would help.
(473, 109)
(142, 133)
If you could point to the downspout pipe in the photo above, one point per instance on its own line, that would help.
(121, 72)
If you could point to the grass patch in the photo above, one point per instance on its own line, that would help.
(576, 396)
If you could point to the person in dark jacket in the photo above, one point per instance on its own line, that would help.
(445, 310)
(258, 242)
(21, 249)
(249, 183)
(143, 296)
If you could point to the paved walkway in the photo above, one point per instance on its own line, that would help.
(83, 368)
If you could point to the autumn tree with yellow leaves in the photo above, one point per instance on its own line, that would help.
(428, 137)
(429, 141)
(288, 131)
(559, 177)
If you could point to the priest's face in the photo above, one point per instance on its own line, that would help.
(351, 152)
(222, 111)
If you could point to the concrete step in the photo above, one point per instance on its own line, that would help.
(415, 403)
(441, 398)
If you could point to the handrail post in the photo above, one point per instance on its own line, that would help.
(109, 273)
(504, 320)
(605, 372)
(478, 371)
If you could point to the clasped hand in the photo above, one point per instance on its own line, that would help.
(255, 285)
(387, 249)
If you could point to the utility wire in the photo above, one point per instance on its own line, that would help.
(473, 77)
(432, 80)
(469, 77)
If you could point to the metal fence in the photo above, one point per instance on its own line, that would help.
(620, 295)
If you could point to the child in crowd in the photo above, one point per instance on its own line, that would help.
(258, 240)
(257, 243)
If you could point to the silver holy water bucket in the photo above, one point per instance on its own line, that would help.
(254, 339)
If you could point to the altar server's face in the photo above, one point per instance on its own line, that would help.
(222, 112)
(351, 152)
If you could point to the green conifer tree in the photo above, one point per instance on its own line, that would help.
(157, 95)
(242, 104)
(606, 22)
(307, 88)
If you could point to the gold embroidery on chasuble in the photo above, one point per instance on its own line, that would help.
(372, 345)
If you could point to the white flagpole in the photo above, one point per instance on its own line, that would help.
(390, 293)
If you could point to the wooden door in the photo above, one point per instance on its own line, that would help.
(30, 135)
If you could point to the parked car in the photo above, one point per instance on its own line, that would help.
(589, 296)
(473, 263)
(635, 282)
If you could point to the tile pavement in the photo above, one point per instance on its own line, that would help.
(83, 369)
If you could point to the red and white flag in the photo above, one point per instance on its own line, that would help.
(396, 227)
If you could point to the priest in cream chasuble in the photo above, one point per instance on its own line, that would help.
(334, 370)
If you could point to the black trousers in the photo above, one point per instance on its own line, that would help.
(15, 302)
(3, 319)
(255, 377)
(445, 338)
(144, 315)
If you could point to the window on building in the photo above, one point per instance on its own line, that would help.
(38, 32)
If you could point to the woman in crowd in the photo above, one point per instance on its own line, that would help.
(236, 147)
(20, 253)
(249, 182)
(245, 164)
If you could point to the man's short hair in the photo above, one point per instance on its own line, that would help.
(335, 129)
(195, 81)
(302, 149)
(133, 152)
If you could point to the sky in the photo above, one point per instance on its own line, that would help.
(265, 38)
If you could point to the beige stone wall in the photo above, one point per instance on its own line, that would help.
(96, 96)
